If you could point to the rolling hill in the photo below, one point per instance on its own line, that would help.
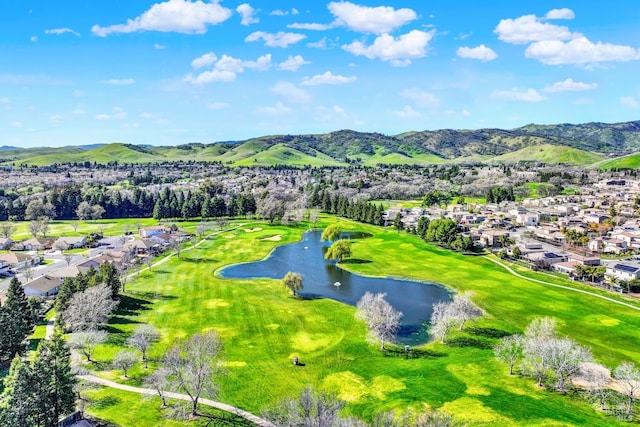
(581, 144)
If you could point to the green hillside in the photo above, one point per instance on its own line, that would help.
(281, 154)
(551, 154)
(631, 161)
(122, 153)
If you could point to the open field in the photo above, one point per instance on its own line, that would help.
(263, 328)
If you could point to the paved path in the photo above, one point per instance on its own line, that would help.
(510, 270)
(222, 406)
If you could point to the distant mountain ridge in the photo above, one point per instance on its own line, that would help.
(586, 143)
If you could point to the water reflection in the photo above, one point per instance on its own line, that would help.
(414, 299)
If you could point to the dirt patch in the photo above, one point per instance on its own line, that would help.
(252, 230)
(275, 238)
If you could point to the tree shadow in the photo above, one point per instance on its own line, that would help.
(130, 306)
(104, 402)
(469, 342)
(355, 261)
(151, 295)
(488, 332)
(199, 260)
(413, 353)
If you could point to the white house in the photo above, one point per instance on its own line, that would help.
(70, 242)
(527, 219)
(624, 271)
(44, 286)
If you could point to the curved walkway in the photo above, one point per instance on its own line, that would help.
(218, 405)
(542, 282)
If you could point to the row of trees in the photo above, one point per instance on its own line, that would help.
(340, 205)
(193, 204)
(18, 316)
(554, 360)
(443, 231)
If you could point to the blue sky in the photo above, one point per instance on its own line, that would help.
(178, 71)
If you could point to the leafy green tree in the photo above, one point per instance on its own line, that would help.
(339, 250)
(293, 282)
(109, 276)
(331, 233)
(397, 222)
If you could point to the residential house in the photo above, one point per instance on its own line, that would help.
(493, 238)
(546, 258)
(527, 219)
(5, 243)
(70, 242)
(18, 261)
(70, 271)
(148, 232)
(591, 261)
(142, 247)
(43, 286)
(37, 244)
(626, 271)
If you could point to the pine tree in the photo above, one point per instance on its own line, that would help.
(17, 400)
(17, 321)
(109, 275)
(53, 381)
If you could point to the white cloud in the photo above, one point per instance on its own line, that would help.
(279, 39)
(314, 26)
(293, 63)
(580, 50)
(279, 109)
(248, 14)
(181, 16)
(291, 92)
(629, 102)
(530, 28)
(328, 78)
(218, 105)
(204, 60)
(563, 13)
(119, 82)
(377, 20)
(519, 94)
(55, 119)
(78, 112)
(158, 46)
(280, 12)
(225, 68)
(212, 76)
(5, 100)
(399, 51)
(16, 124)
(60, 31)
(320, 44)
(118, 113)
(339, 110)
(481, 53)
(33, 39)
(420, 98)
(569, 85)
(407, 113)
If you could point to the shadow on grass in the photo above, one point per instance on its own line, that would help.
(355, 261)
(412, 354)
(151, 295)
(469, 342)
(33, 344)
(104, 402)
(130, 306)
(199, 260)
(488, 332)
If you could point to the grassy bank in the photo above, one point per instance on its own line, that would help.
(263, 328)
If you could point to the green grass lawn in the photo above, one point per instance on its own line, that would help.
(263, 328)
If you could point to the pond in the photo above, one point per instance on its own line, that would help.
(323, 279)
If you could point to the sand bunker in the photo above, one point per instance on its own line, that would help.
(252, 230)
(275, 238)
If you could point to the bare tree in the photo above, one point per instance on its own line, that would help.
(44, 225)
(202, 229)
(143, 337)
(89, 309)
(83, 211)
(222, 222)
(628, 377)
(314, 216)
(28, 273)
(443, 319)
(541, 327)
(34, 227)
(149, 261)
(465, 310)
(96, 212)
(86, 342)
(67, 259)
(381, 318)
(125, 360)
(596, 378)
(565, 357)
(37, 209)
(7, 229)
(176, 245)
(159, 381)
(310, 409)
(75, 225)
(192, 366)
(509, 350)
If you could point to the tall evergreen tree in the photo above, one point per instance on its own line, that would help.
(17, 321)
(53, 381)
(17, 400)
